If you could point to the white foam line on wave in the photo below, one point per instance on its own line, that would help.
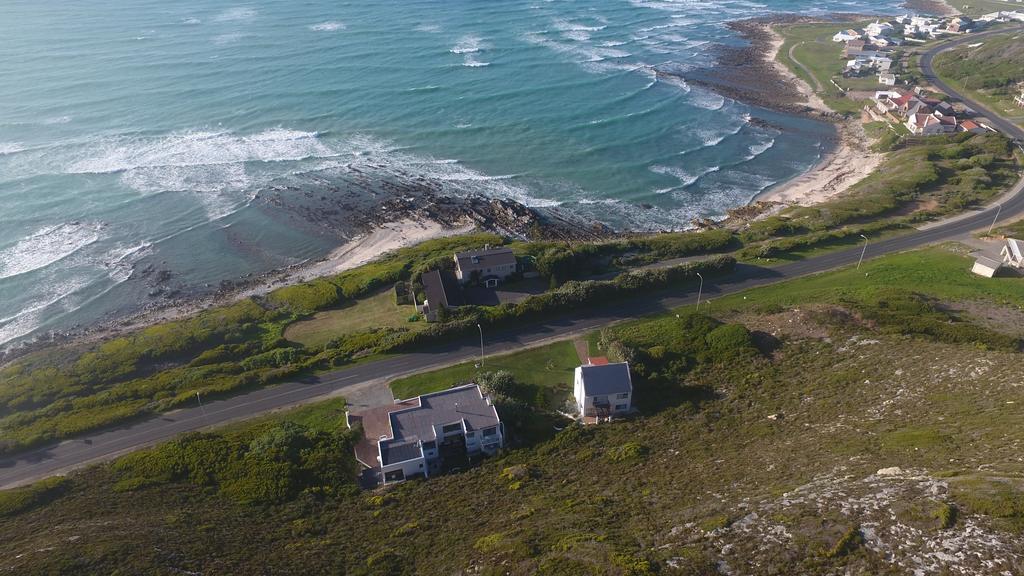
(46, 247)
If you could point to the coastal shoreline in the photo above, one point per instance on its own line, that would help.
(848, 161)
(751, 74)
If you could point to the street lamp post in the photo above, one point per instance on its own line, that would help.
(700, 288)
(481, 345)
(862, 252)
(999, 208)
(202, 409)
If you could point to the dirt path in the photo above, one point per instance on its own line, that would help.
(582, 350)
(817, 83)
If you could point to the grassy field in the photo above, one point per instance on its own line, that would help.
(376, 311)
(841, 448)
(942, 272)
(979, 7)
(548, 367)
(812, 46)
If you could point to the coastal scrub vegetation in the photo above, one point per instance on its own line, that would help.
(991, 71)
(778, 433)
(56, 394)
(938, 176)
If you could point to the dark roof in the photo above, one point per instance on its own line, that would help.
(392, 452)
(415, 422)
(489, 258)
(600, 380)
(442, 289)
(463, 404)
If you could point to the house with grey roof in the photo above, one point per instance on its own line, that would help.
(602, 390)
(442, 290)
(425, 435)
(489, 263)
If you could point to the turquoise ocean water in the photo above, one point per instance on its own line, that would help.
(135, 134)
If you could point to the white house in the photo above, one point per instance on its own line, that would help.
(846, 36)
(426, 434)
(928, 124)
(1013, 253)
(602, 390)
(489, 263)
(877, 28)
(887, 79)
(987, 267)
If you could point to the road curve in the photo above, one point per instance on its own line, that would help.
(100, 446)
(929, 74)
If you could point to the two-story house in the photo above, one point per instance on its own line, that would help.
(427, 434)
(602, 390)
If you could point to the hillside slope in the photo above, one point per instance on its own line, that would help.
(874, 429)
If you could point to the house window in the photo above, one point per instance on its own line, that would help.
(492, 431)
(470, 434)
(429, 445)
(449, 428)
(622, 396)
(394, 476)
(620, 406)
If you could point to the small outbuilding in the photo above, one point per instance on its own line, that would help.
(987, 267)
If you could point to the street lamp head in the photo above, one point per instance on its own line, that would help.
(863, 236)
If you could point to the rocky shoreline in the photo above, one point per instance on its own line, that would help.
(411, 215)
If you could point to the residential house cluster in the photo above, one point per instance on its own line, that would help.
(1003, 16)
(432, 433)
(1019, 99)
(923, 115)
(869, 50)
(443, 288)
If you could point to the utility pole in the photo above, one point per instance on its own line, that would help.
(862, 252)
(700, 289)
(999, 208)
(202, 409)
(481, 365)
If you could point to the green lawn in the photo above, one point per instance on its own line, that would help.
(813, 47)
(942, 272)
(377, 311)
(548, 367)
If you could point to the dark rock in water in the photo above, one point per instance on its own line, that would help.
(744, 73)
(647, 206)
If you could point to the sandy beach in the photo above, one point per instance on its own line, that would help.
(848, 162)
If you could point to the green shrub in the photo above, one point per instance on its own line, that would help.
(628, 452)
(18, 500)
(307, 297)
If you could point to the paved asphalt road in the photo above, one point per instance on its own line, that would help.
(100, 446)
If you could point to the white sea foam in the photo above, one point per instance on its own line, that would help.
(10, 148)
(429, 28)
(685, 177)
(229, 38)
(40, 309)
(759, 148)
(57, 120)
(191, 21)
(47, 246)
(472, 63)
(237, 14)
(468, 44)
(707, 100)
(330, 26)
(197, 148)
